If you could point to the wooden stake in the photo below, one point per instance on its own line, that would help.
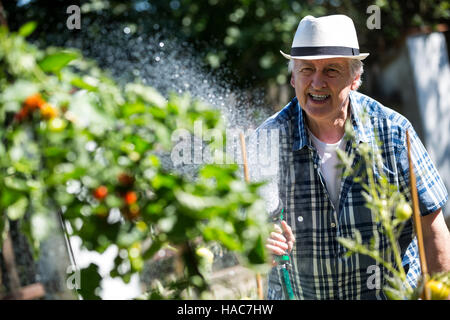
(247, 179)
(10, 265)
(417, 220)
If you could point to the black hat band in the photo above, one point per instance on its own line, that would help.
(328, 50)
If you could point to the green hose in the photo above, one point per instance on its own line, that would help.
(283, 260)
(287, 284)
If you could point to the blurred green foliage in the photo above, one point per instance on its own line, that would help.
(244, 35)
(75, 143)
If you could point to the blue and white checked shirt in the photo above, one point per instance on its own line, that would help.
(319, 269)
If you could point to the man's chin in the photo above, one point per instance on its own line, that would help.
(318, 111)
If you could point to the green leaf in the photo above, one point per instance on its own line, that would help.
(147, 94)
(80, 83)
(155, 247)
(90, 280)
(216, 234)
(17, 184)
(393, 294)
(133, 108)
(27, 29)
(18, 209)
(257, 254)
(56, 61)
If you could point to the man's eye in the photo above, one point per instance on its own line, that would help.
(332, 72)
(306, 70)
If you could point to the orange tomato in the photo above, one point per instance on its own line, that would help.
(33, 102)
(130, 197)
(100, 193)
(30, 104)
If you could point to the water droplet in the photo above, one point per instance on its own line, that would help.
(127, 30)
(157, 59)
(161, 44)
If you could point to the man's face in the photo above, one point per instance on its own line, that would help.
(322, 86)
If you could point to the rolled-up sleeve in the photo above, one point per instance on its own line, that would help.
(431, 190)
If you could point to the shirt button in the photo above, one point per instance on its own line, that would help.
(315, 166)
(300, 219)
(333, 224)
(277, 287)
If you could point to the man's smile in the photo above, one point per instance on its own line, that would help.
(318, 98)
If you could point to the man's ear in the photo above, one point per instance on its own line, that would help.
(355, 81)
(292, 80)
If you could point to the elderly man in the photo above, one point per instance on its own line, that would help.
(320, 206)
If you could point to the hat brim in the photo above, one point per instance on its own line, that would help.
(361, 56)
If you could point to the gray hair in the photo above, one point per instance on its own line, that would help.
(356, 68)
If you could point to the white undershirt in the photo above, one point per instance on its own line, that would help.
(328, 162)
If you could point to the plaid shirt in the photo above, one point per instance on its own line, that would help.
(319, 269)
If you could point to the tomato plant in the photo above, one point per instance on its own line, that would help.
(391, 211)
(75, 142)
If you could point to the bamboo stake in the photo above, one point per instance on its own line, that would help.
(10, 264)
(247, 179)
(417, 220)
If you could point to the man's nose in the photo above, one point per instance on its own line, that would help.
(318, 81)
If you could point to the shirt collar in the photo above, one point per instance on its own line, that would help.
(301, 137)
(356, 113)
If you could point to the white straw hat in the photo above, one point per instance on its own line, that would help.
(325, 37)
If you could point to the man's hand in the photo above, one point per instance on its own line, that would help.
(280, 241)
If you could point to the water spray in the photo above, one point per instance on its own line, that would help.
(247, 179)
